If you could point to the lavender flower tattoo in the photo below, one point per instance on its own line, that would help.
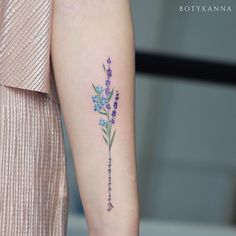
(103, 105)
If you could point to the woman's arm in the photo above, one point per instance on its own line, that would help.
(88, 38)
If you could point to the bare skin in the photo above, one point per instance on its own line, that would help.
(85, 33)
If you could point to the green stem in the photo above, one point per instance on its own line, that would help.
(110, 206)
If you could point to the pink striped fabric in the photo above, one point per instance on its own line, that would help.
(25, 27)
(33, 179)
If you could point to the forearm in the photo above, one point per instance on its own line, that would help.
(85, 34)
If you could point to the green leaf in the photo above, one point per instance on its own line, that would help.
(112, 139)
(106, 125)
(94, 88)
(109, 129)
(105, 140)
(102, 113)
(110, 96)
(104, 68)
(104, 131)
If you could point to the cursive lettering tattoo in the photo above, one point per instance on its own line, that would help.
(105, 102)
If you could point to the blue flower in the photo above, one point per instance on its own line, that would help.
(102, 122)
(103, 101)
(97, 107)
(99, 89)
(95, 98)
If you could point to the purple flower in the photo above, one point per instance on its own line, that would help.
(109, 60)
(107, 91)
(109, 72)
(115, 105)
(112, 121)
(117, 96)
(108, 82)
(108, 106)
(113, 113)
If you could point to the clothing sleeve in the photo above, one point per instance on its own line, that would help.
(25, 28)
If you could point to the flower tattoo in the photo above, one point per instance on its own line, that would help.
(105, 102)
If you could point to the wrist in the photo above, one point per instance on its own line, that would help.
(127, 231)
(117, 227)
